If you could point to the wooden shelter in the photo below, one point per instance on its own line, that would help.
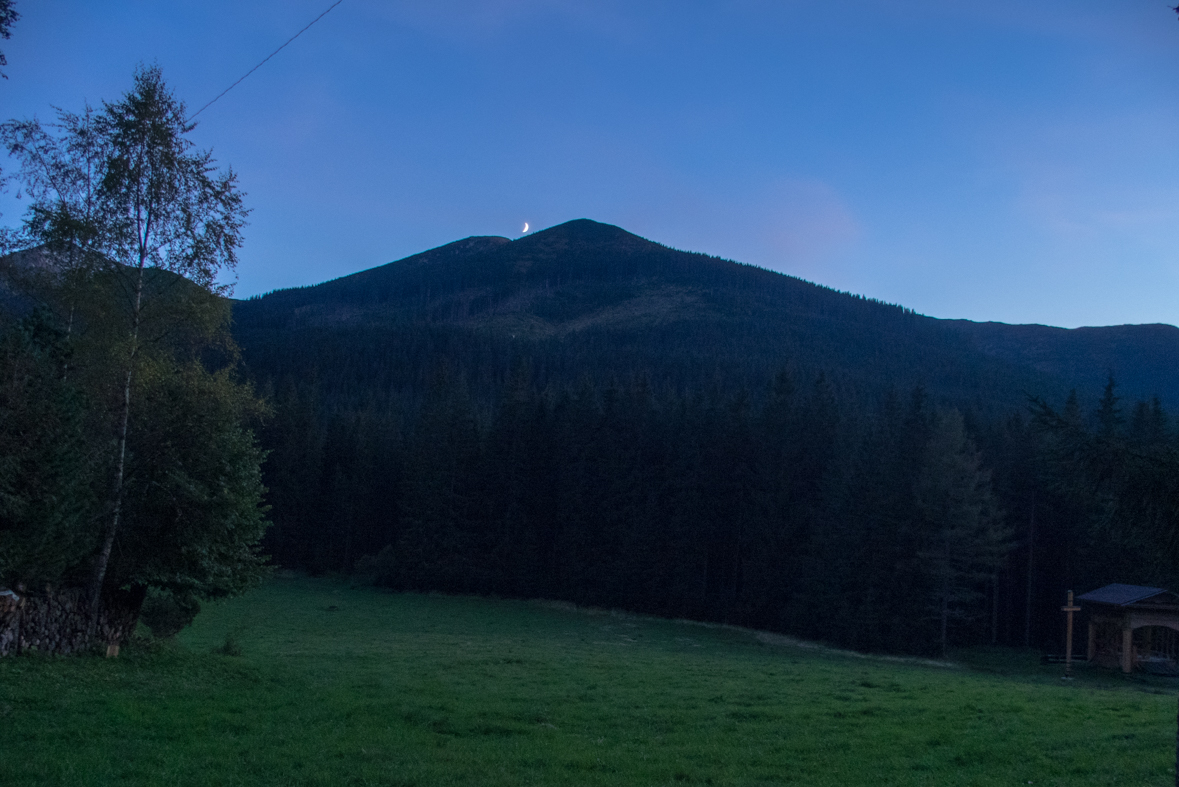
(1133, 627)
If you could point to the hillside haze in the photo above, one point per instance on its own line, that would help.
(585, 298)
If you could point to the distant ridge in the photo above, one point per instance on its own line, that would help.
(1144, 359)
(586, 296)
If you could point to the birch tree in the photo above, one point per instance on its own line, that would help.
(142, 226)
(162, 206)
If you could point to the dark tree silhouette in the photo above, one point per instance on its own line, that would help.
(8, 17)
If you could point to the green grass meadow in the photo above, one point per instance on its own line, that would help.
(350, 686)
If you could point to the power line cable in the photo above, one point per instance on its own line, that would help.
(272, 54)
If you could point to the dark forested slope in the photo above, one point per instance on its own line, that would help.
(585, 298)
(1141, 357)
(587, 415)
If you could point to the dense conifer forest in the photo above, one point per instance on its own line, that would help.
(588, 416)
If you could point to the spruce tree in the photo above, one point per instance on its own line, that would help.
(965, 538)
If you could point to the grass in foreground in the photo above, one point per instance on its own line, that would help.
(340, 686)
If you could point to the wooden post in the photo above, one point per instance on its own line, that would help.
(1127, 648)
(1027, 623)
(1069, 609)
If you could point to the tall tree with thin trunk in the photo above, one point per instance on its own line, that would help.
(162, 206)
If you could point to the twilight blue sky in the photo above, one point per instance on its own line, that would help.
(1013, 160)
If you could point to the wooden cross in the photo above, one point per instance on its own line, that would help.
(1069, 609)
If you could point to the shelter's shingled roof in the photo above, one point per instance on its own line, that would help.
(1121, 595)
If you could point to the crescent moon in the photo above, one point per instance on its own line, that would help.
(525, 230)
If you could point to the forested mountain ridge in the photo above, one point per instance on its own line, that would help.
(585, 297)
(1141, 357)
(583, 414)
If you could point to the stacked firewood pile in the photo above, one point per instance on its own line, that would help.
(57, 621)
(10, 608)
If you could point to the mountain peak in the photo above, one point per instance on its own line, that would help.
(585, 234)
(583, 280)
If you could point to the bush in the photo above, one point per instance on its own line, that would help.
(166, 614)
(379, 569)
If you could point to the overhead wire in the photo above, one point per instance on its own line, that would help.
(272, 54)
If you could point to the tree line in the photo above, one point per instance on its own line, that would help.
(906, 526)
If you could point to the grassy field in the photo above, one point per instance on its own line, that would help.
(343, 686)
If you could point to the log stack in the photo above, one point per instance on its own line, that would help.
(11, 605)
(57, 621)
